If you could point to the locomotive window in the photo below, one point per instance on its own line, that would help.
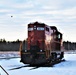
(40, 28)
(34, 27)
(59, 36)
(30, 29)
(47, 29)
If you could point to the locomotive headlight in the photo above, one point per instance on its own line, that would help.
(40, 50)
(25, 50)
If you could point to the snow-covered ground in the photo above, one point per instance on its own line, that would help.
(64, 68)
(7, 55)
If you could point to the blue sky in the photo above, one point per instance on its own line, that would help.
(60, 13)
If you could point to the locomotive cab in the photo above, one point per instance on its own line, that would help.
(36, 37)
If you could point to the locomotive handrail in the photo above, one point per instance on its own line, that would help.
(20, 48)
(4, 70)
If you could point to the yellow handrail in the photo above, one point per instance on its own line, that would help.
(20, 48)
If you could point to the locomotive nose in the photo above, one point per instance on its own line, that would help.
(34, 49)
(34, 55)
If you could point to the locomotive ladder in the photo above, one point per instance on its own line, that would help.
(3, 70)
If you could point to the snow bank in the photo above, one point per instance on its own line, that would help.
(70, 52)
(6, 55)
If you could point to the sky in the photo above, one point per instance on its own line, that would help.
(59, 13)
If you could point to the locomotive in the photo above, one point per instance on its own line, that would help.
(44, 45)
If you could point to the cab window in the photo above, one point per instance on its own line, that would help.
(30, 29)
(40, 28)
(58, 36)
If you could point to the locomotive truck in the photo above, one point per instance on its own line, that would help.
(44, 45)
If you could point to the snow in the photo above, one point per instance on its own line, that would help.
(7, 55)
(64, 68)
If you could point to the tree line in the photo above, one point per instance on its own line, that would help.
(10, 45)
(15, 45)
(4, 41)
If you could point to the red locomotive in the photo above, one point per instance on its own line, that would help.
(44, 44)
